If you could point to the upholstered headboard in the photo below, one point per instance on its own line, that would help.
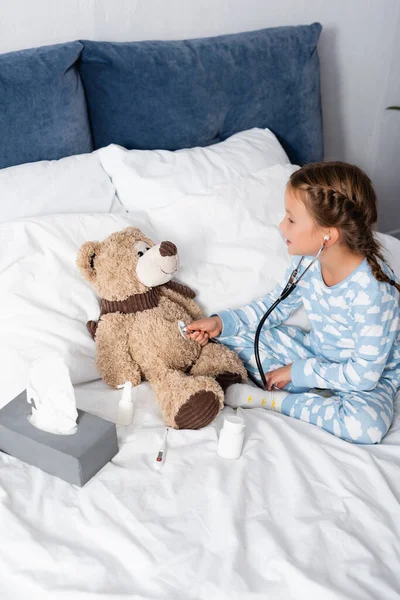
(72, 98)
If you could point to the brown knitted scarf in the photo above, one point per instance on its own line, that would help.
(137, 302)
(132, 304)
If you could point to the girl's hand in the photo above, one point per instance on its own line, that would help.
(204, 329)
(198, 336)
(279, 377)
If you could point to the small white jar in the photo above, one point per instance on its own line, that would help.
(231, 438)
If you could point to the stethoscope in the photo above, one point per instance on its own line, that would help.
(288, 289)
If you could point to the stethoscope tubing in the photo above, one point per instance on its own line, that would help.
(287, 290)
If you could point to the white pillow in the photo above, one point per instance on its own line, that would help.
(44, 302)
(159, 177)
(230, 246)
(391, 251)
(75, 184)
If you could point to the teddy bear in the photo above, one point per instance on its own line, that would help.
(137, 335)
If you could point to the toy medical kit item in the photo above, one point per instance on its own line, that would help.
(231, 437)
(125, 405)
(182, 329)
(160, 458)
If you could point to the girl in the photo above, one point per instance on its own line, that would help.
(343, 375)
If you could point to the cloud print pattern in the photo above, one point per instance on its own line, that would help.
(352, 353)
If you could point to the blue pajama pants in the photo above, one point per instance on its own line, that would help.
(363, 417)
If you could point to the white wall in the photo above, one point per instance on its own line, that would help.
(359, 51)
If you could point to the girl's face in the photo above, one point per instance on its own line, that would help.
(303, 236)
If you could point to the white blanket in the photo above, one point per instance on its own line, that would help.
(301, 515)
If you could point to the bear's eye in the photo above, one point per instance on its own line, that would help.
(92, 257)
(141, 248)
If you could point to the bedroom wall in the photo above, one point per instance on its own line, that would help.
(359, 51)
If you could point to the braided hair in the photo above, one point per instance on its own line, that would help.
(341, 195)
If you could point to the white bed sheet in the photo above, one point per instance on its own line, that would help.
(301, 515)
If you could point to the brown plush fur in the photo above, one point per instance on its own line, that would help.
(147, 344)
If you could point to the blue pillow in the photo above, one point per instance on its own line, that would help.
(43, 114)
(178, 94)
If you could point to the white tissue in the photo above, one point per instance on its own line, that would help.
(50, 393)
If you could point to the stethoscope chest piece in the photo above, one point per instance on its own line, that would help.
(182, 329)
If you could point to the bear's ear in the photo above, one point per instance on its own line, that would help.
(86, 260)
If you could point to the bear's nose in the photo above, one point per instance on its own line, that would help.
(168, 249)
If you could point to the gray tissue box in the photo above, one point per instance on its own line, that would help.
(74, 458)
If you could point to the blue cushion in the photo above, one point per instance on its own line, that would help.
(43, 114)
(179, 94)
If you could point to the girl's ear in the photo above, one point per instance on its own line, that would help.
(86, 260)
(331, 237)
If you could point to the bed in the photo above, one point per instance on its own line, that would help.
(191, 141)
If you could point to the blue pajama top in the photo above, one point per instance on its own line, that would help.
(355, 332)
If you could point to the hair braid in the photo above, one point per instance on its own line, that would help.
(373, 251)
(341, 195)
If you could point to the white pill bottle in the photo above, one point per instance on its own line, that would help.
(231, 438)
